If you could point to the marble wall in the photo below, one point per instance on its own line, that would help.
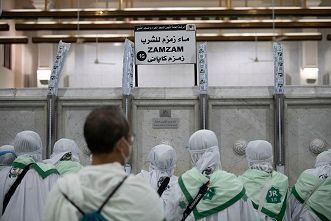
(306, 121)
(234, 113)
(147, 103)
(71, 122)
(242, 119)
(73, 107)
(19, 115)
(186, 111)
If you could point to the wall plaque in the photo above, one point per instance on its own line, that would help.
(165, 123)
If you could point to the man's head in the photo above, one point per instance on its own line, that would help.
(107, 132)
(28, 143)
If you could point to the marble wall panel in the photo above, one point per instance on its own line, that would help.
(240, 120)
(22, 115)
(305, 121)
(147, 137)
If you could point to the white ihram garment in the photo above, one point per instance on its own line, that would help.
(204, 151)
(28, 201)
(162, 163)
(322, 171)
(134, 200)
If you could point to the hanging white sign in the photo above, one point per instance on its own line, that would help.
(165, 44)
(203, 68)
(62, 51)
(128, 62)
(278, 68)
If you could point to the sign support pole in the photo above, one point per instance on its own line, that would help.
(195, 75)
(51, 122)
(136, 75)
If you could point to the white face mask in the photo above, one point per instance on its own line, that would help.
(126, 158)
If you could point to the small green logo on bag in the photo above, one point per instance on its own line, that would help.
(273, 196)
(210, 194)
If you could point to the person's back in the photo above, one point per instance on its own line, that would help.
(81, 196)
(28, 201)
(266, 189)
(162, 163)
(88, 189)
(225, 196)
(311, 195)
(31, 193)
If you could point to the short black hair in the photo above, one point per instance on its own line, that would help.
(104, 127)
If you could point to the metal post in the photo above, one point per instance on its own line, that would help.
(126, 106)
(203, 100)
(51, 123)
(195, 75)
(136, 75)
(229, 3)
(120, 4)
(279, 149)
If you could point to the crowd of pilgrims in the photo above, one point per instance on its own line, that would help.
(60, 188)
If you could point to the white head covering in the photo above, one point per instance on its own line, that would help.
(162, 163)
(322, 165)
(204, 150)
(162, 158)
(7, 155)
(28, 143)
(323, 158)
(63, 147)
(259, 155)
